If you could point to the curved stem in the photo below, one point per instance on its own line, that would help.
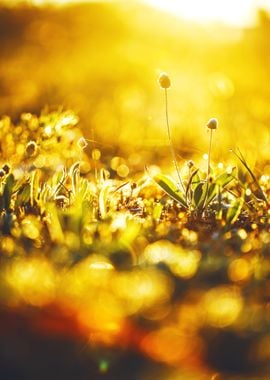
(170, 141)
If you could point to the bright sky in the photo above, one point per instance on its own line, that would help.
(231, 12)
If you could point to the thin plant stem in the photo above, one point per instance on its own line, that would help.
(170, 140)
(208, 169)
(95, 162)
(209, 152)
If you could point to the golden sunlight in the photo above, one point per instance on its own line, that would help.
(231, 12)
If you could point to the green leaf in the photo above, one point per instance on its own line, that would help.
(212, 193)
(23, 195)
(190, 183)
(170, 187)
(235, 210)
(200, 194)
(157, 210)
(8, 191)
(195, 179)
(34, 188)
(224, 179)
(242, 159)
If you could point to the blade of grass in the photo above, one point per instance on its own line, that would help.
(170, 187)
(242, 159)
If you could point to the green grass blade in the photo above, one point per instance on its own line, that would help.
(53, 224)
(190, 182)
(212, 193)
(23, 195)
(234, 211)
(8, 191)
(34, 187)
(243, 161)
(170, 188)
(224, 179)
(200, 194)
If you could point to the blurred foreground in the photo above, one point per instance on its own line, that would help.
(113, 279)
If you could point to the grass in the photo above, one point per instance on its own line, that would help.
(137, 252)
(212, 195)
(133, 255)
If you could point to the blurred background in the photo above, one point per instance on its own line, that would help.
(102, 59)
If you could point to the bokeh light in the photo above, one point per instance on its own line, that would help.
(102, 256)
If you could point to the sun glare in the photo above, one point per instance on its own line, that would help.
(231, 12)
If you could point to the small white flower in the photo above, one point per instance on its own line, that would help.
(212, 123)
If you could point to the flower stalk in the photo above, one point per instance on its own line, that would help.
(212, 125)
(165, 83)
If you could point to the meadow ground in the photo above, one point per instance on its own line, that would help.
(134, 212)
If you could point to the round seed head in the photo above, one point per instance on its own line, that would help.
(82, 143)
(212, 123)
(190, 164)
(164, 80)
(31, 149)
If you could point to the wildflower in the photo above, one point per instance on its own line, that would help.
(212, 123)
(82, 143)
(31, 148)
(164, 81)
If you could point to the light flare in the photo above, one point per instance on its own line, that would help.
(32, 280)
(222, 306)
(230, 12)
